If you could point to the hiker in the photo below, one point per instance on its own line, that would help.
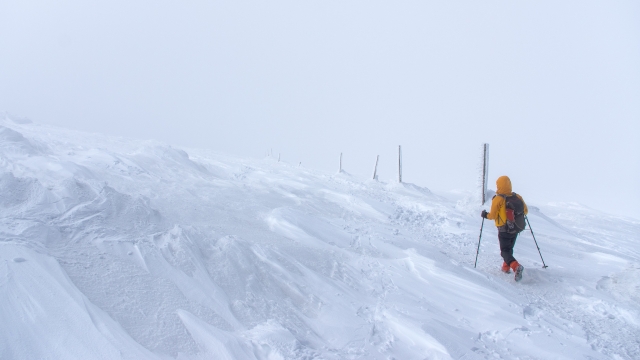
(508, 210)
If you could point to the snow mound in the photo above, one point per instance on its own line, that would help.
(113, 248)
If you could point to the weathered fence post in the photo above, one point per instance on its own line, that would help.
(485, 171)
(375, 168)
(399, 163)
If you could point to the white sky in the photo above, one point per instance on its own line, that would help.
(554, 87)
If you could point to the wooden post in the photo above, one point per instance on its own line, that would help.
(399, 163)
(375, 169)
(340, 162)
(485, 171)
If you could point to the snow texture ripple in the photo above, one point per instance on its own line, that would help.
(120, 249)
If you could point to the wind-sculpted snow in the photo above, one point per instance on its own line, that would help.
(113, 248)
(12, 142)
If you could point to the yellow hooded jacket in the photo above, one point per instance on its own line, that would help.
(498, 209)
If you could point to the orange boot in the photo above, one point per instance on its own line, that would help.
(505, 268)
(518, 269)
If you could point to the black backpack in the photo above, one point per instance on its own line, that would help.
(515, 222)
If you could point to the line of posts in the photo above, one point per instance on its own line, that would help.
(375, 167)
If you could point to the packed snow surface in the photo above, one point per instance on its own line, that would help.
(120, 249)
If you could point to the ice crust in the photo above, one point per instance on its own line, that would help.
(122, 249)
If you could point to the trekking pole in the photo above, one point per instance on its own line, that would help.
(480, 237)
(534, 239)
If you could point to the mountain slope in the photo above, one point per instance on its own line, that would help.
(114, 248)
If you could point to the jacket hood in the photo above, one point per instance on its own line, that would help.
(503, 185)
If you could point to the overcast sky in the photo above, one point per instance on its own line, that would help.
(553, 86)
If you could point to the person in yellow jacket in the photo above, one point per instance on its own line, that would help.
(498, 213)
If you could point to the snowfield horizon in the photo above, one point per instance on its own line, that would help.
(114, 248)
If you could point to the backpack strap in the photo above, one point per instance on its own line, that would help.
(498, 214)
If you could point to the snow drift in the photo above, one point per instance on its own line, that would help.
(113, 248)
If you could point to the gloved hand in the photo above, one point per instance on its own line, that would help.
(484, 214)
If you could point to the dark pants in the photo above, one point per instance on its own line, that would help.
(507, 241)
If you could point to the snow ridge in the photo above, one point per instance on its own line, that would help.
(114, 248)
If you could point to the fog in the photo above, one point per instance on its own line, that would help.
(553, 87)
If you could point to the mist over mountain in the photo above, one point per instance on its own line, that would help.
(113, 248)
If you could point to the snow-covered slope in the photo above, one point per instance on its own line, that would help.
(113, 248)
